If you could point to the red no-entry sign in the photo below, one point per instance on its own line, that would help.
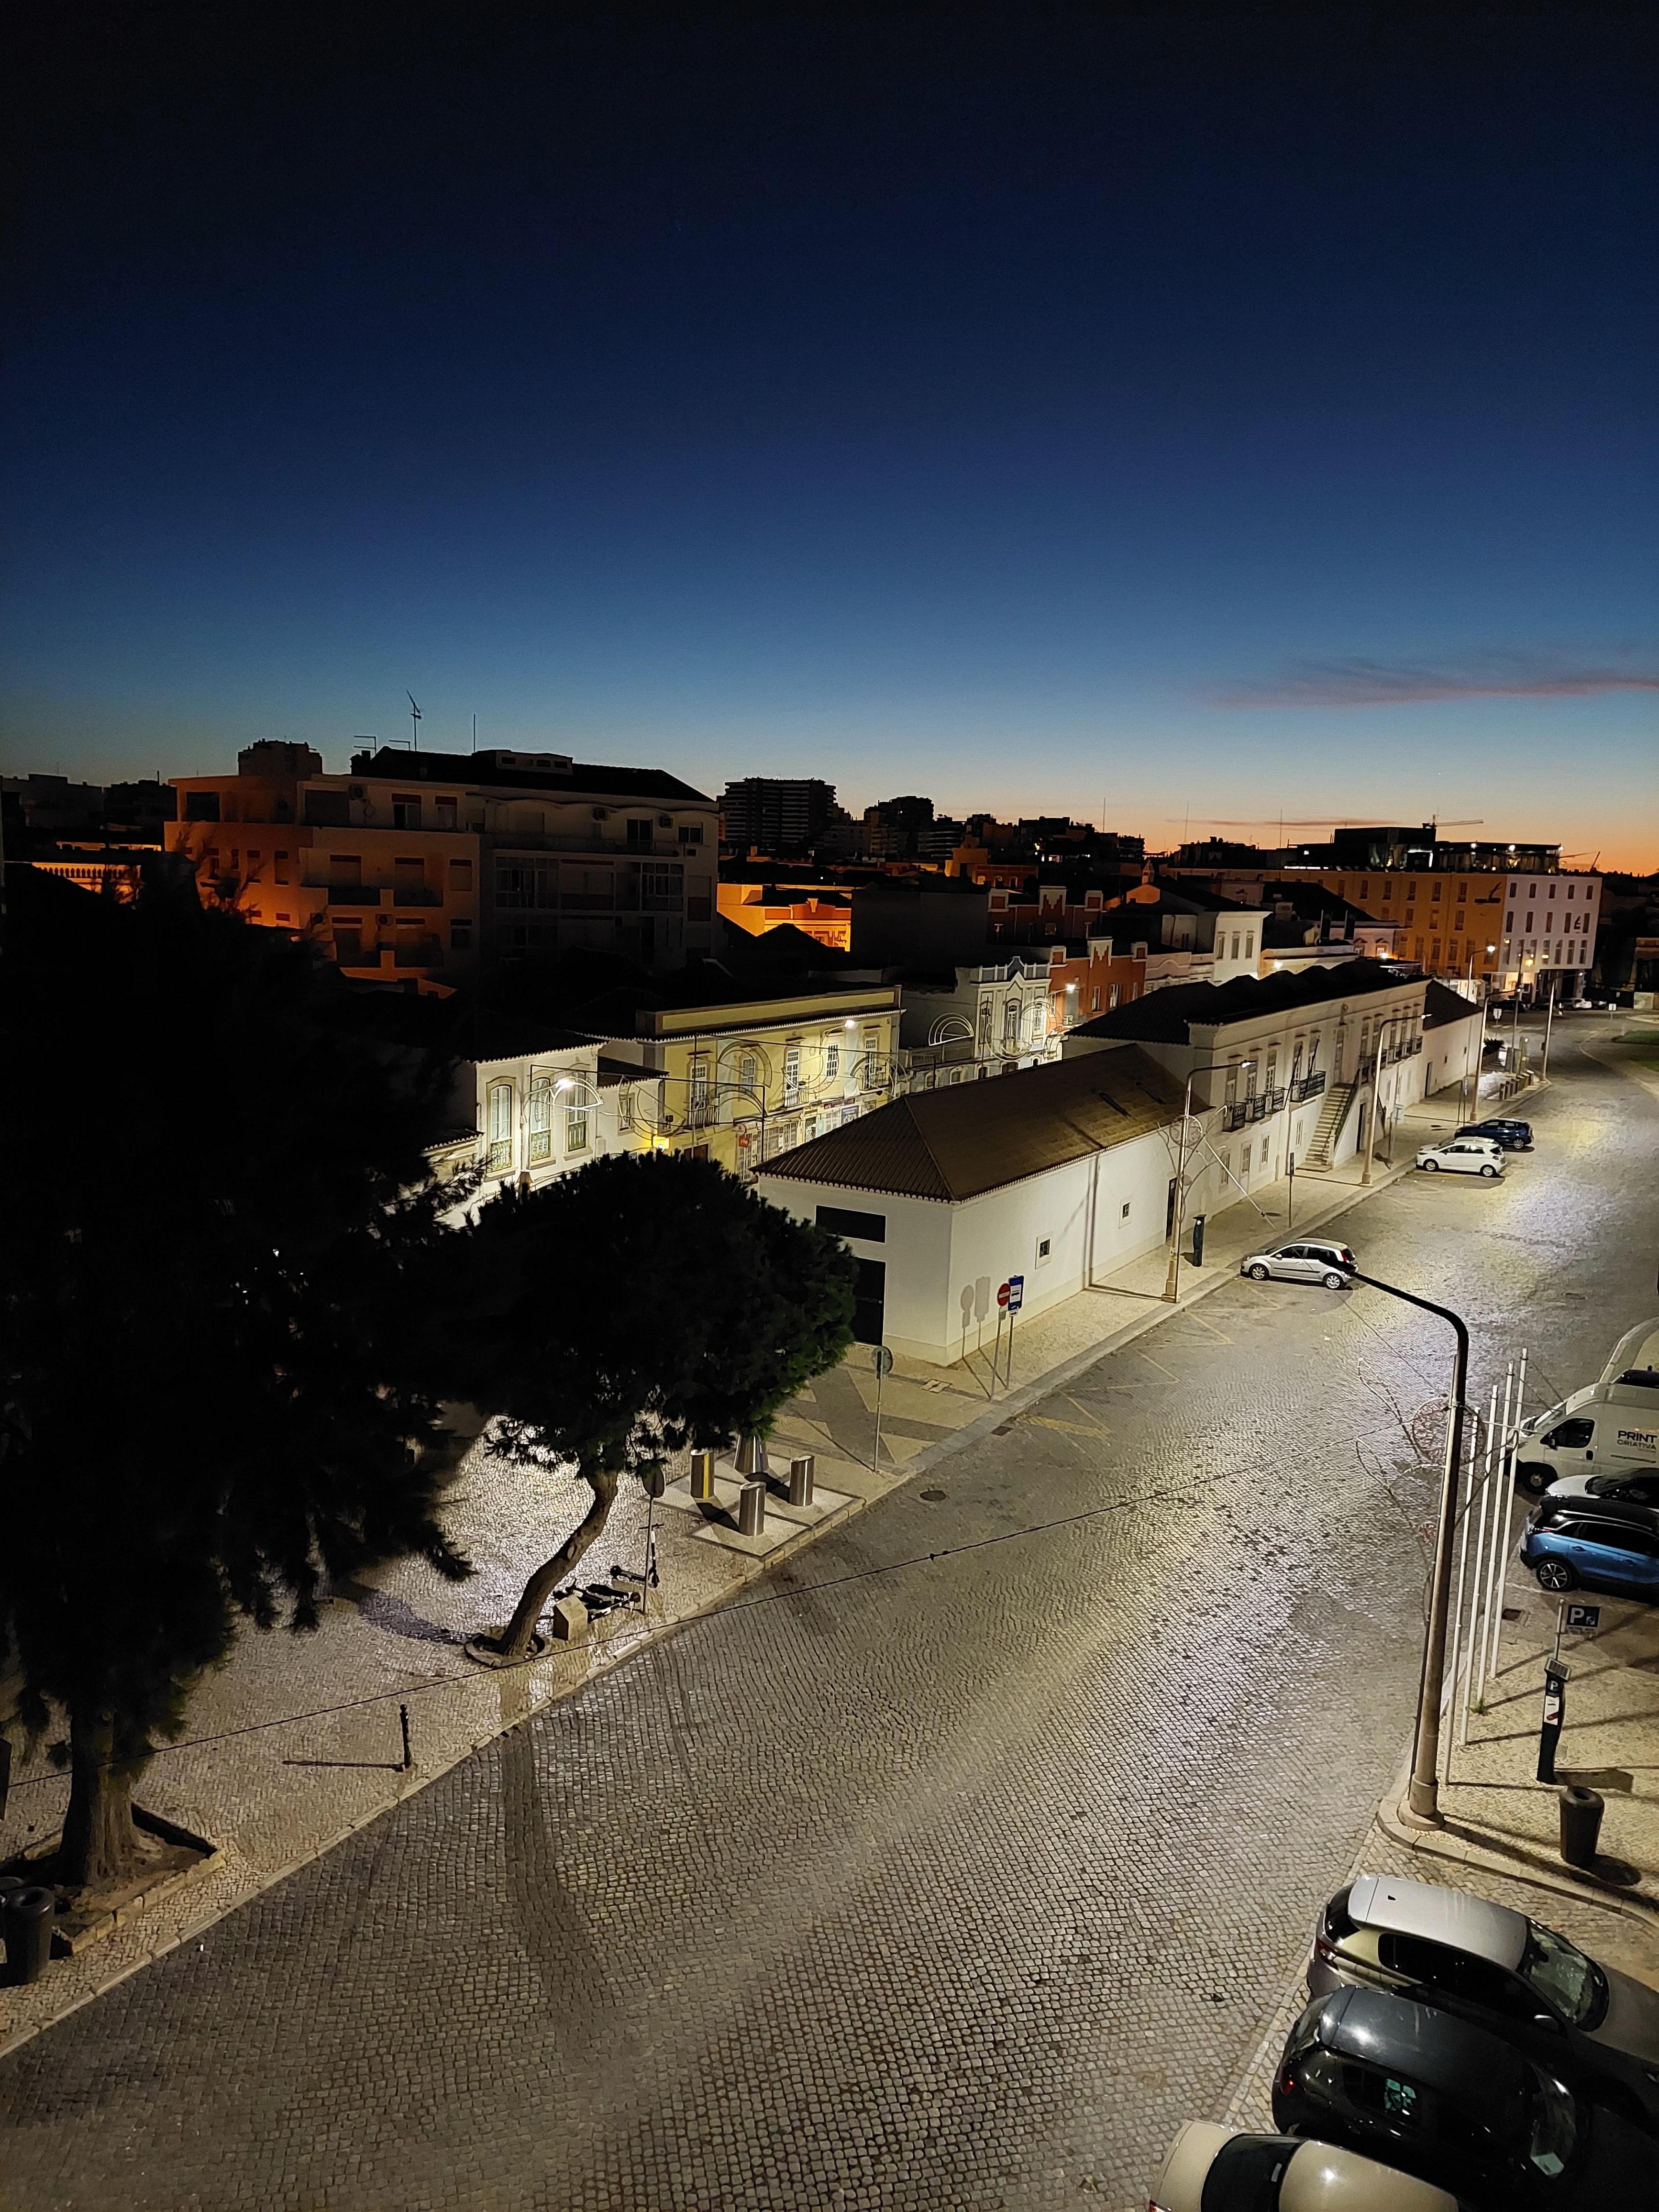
(1003, 1295)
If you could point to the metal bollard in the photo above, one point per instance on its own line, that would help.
(27, 1920)
(1581, 1824)
(751, 1509)
(702, 1477)
(800, 1478)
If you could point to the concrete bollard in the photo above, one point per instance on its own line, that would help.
(751, 1509)
(702, 1477)
(800, 1478)
(568, 1622)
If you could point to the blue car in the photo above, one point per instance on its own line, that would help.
(1570, 1543)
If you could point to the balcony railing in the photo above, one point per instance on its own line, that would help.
(1308, 1086)
(416, 895)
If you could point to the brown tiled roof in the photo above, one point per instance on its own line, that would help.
(976, 1137)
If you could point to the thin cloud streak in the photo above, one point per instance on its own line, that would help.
(1358, 683)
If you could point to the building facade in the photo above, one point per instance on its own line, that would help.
(748, 1072)
(988, 1019)
(778, 814)
(1520, 931)
(426, 867)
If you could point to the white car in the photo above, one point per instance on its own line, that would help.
(1481, 1155)
(1313, 1260)
(1215, 2169)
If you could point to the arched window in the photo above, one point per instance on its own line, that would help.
(498, 1160)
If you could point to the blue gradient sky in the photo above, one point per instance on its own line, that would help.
(1208, 421)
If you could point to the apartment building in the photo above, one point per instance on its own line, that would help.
(417, 866)
(1519, 931)
(987, 1018)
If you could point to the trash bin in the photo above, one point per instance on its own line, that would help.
(26, 1915)
(1581, 1824)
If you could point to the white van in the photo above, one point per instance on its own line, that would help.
(1607, 1429)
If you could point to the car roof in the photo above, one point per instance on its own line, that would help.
(1452, 2057)
(1325, 2177)
(1439, 1915)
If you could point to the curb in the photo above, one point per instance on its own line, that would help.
(1512, 1862)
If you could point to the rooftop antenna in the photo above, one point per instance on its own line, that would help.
(415, 717)
(475, 733)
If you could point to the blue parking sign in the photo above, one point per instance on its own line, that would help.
(1583, 1616)
(1016, 1292)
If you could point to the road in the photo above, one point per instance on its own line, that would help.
(953, 1866)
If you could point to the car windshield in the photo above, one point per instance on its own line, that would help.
(1569, 1983)
(1554, 2129)
(1247, 2174)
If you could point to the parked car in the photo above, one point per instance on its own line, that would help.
(1639, 1489)
(1216, 2169)
(1311, 1260)
(1500, 1970)
(1512, 1136)
(1420, 2089)
(1607, 1428)
(1588, 1545)
(1464, 1156)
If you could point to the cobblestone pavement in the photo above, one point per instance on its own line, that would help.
(953, 1865)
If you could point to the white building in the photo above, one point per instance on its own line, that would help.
(526, 1107)
(1059, 1174)
(1547, 939)
(1289, 1063)
(969, 1022)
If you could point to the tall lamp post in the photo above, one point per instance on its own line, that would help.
(1423, 1792)
(1172, 1282)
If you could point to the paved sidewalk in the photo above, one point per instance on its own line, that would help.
(294, 1743)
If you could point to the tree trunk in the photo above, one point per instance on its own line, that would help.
(99, 1844)
(515, 1637)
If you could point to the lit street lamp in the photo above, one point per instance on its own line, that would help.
(1172, 1284)
(1423, 1792)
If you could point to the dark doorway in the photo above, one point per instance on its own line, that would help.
(869, 1301)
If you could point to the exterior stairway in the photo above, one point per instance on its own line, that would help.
(1334, 1112)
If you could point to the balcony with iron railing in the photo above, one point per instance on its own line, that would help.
(1307, 1086)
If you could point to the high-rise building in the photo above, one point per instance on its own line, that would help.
(776, 815)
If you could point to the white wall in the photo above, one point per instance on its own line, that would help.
(939, 1255)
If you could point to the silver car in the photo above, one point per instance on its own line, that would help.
(1309, 1260)
(1463, 1156)
(1215, 2169)
(1496, 1968)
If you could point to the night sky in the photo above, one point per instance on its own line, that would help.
(1207, 418)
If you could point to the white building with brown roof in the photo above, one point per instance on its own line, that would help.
(1057, 1174)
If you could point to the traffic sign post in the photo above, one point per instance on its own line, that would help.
(1015, 1289)
(882, 1360)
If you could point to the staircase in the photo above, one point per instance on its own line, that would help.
(1334, 1112)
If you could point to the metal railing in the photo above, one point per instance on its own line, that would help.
(1308, 1086)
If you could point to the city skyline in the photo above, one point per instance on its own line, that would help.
(1208, 429)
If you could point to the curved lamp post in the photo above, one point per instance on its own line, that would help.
(1423, 1792)
(1172, 1284)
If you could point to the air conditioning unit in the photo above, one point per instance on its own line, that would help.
(601, 813)
(664, 822)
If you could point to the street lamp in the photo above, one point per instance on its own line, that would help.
(1423, 1792)
(1172, 1284)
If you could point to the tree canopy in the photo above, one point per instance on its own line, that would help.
(215, 1212)
(648, 1303)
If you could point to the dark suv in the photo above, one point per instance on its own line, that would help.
(1513, 1136)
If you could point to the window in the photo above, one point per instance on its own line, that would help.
(460, 875)
(1437, 888)
(1235, 951)
(640, 834)
(841, 1221)
(1572, 1435)
(460, 937)
(748, 1073)
(498, 1158)
(985, 1025)
(790, 1075)
(200, 806)
(832, 1060)
(541, 1120)
(1045, 1250)
(1462, 891)
(347, 943)
(575, 1130)
(690, 833)
(1264, 1151)
(279, 866)
(1249, 945)
(406, 811)
(446, 813)
(872, 1048)
(699, 1091)
(345, 871)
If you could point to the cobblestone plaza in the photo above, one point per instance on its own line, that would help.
(953, 1865)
